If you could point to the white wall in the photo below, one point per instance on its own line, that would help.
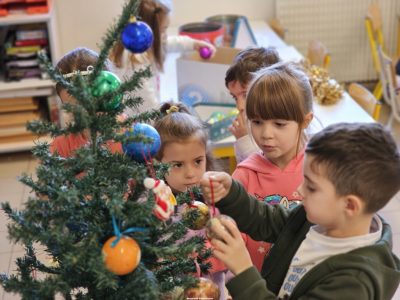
(84, 22)
(185, 11)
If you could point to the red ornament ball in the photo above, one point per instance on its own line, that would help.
(124, 257)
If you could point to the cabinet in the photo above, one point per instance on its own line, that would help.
(15, 94)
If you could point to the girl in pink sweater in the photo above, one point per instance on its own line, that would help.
(279, 109)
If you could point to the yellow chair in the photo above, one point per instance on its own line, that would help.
(317, 54)
(373, 24)
(398, 37)
(389, 81)
(277, 27)
(365, 99)
(226, 152)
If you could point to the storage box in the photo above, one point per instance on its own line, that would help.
(217, 117)
(203, 80)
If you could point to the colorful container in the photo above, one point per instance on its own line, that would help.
(207, 31)
(229, 23)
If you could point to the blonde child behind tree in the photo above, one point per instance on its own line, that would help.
(279, 109)
(184, 145)
(156, 14)
(333, 245)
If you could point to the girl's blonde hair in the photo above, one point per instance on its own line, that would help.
(281, 91)
(152, 12)
(178, 125)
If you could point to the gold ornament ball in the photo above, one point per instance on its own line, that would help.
(203, 215)
(205, 289)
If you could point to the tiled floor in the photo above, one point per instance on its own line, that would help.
(13, 165)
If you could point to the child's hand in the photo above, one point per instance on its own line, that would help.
(221, 184)
(230, 247)
(199, 44)
(239, 127)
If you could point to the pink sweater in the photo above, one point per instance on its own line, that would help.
(270, 184)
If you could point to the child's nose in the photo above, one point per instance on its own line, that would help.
(189, 172)
(267, 131)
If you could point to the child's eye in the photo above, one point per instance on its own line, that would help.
(177, 165)
(199, 161)
(280, 124)
(310, 189)
(256, 122)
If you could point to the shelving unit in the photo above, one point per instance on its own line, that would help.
(32, 87)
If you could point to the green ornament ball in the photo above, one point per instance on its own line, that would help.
(107, 82)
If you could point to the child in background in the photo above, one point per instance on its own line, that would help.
(237, 80)
(156, 15)
(184, 145)
(351, 171)
(78, 60)
(279, 109)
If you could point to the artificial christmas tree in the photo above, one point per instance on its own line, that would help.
(91, 212)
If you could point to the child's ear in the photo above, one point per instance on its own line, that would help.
(307, 120)
(353, 205)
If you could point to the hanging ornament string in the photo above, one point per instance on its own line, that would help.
(119, 234)
(212, 197)
(191, 204)
(149, 163)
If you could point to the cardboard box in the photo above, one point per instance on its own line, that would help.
(203, 80)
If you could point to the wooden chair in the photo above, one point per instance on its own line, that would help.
(373, 25)
(277, 27)
(318, 55)
(389, 85)
(365, 99)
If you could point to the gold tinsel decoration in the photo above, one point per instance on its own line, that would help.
(326, 90)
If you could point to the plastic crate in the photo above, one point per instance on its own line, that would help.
(218, 129)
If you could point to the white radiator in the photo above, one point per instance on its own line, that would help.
(339, 25)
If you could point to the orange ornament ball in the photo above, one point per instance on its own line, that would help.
(124, 257)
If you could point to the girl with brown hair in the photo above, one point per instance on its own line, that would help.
(156, 14)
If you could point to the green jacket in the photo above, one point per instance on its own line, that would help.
(371, 272)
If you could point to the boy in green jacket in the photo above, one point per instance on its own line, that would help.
(333, 245)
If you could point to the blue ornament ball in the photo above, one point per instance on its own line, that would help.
(137, 37)
(136, 150)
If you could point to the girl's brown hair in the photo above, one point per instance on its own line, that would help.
(78, 59)
(281, 91)
(152, 12)
(179, 125)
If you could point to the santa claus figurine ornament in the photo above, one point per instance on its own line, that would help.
(165, 200)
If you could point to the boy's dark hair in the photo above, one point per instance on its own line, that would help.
(178, 125)
(360, 159)
(248, 61)
(78, 59)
